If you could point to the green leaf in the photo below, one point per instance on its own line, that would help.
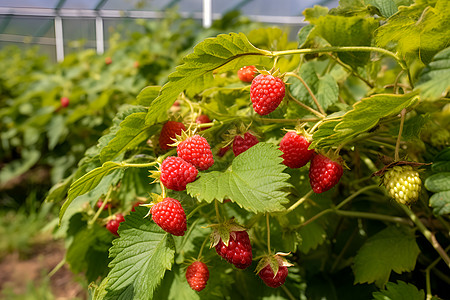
(88, 182)
(386, 7)
(443, 155)
(303, 34)
(438, 182)
(315, 12)
(364, 116)
(225, 52)
(255, 181)
(132, 132)
(399, 291)
(434, 80)
(440, 202)
(55, 129)
(392, 249)
(327, 91)
(347, 31)
(19, 166)
(141, 256)
(147, 95)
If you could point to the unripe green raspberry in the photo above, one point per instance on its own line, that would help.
(403, 184)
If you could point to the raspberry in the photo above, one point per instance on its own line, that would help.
(176, 173)
(324, 172)
(239, 250)
(100, 203)
(196, 150)
(114, 223)
(223, 151)
(295, 150)
(403, 184)
(169, 215)
(64, 101)
(169, 132)
(271, 280)
(241, 144)
(266, 93)
(247, 73)
(197, 275)
(202, 119)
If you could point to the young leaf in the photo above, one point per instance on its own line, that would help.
(148, 94)
(226, 51)
(141, 256)
(392, 249)
(364, 115)
(132, 132)
(434, 80)
(438, 182)
(399, 291)
(254, 181)
(440, 202)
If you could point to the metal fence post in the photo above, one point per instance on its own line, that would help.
(59, 39)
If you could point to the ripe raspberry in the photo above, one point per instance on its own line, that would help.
(114, 223)
(136, 204)
(176, 173)
(295, 150)
(202, 119)
(266, 93)
(169, 215)
(108, 60)
(241, 144)
(223, 151)
(64, 101)
(197, 275)
(324, 173)
(403, 184)
(196, 150)
(239, 250)
(168, 132)
(247, 73)
(100, 203)
(271, 280)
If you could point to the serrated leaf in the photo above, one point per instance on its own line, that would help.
(364, 115)
(434, 80)
(315, 12)
(438, 182)
(392, 249)
(399, 291)
(347, 31)
(88, 182)
(141, 256)
(132, 132)
(226, 51)
(147, 95)
(303, 34)
(386, 7)
(255, 181)
(327, 91)
(440, 202)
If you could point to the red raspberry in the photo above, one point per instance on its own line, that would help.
(247, 73)
(169, 215)
(176, 173)
(136, 204)
(168, 132)
(100, 203)
(266, 274)
(324, 173)
(108, 60)
(223, 151)
(239, 250)
(64, 102)
(295, 150)
(266, 93)
(114, 223)
(197, 275)
(202, 119)
(196, 150)
(241, 144)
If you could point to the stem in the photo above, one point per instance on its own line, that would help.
(340, 49)
(264, 120)
(309, 91)
(299, 201)
(397, 80)
(216, 205)
(268, 232)
(397, 145)
(344, 249)
(195, 210)
(427, 234)
(57, 267)
(427, 274)
(100, 209)
(310, 109)
(288, 293)
(373, 216)
(124, 164)
(360, 191)
(357, 75)
(201, 249)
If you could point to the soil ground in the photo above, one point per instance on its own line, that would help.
(17, 272)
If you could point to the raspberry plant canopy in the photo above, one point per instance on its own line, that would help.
(366, 81)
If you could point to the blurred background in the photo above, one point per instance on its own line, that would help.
(67, 67)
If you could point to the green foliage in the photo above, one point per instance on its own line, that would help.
(392, 249)
(399, 291)
(439, 183)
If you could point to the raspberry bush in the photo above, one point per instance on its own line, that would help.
(361, 86)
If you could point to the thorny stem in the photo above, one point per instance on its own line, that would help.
(427, 234)
(427, 275)
(309, 91)
(268, 233)
(305, 106)
(399, 138)
(100, 209)
(299, 201)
